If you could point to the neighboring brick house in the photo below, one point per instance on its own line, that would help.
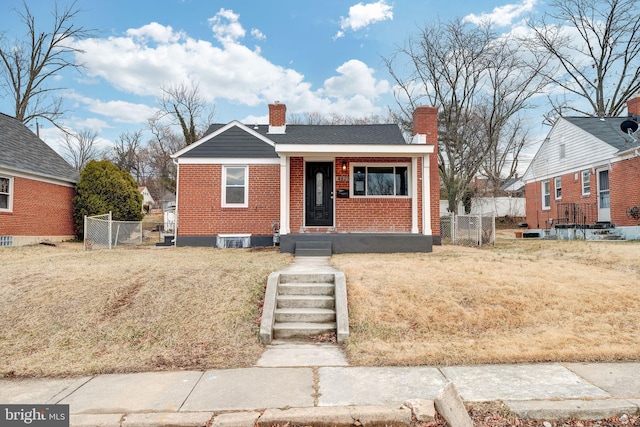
(584, 180)
(36, 188)
(361, 187)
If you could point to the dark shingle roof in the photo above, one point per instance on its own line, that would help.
(606, 129)
(234, 143)
(22, 150)
(330, 134)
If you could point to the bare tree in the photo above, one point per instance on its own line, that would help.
(79, 148)
(511, 81)
(162, 144)
(596, 47)
(315, 118)
(480, 84)
(28, 66)
(130, 154)
(188, 109)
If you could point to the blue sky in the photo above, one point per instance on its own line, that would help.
(314, 56)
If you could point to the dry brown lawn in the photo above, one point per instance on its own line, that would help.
(520, 301)
(68, 312)
(64, 311)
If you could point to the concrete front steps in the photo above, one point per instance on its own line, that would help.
(298, 306)
(305, 306)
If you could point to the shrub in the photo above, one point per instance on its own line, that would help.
(103, 187)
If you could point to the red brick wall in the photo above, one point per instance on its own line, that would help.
(371, 214)
(355, 214)
(624, 184)
(39, 209)
(571, 193)
(277, 114)
(633, 106)
(200, 211)
(296, 194)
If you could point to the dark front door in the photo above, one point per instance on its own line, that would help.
(319, 194)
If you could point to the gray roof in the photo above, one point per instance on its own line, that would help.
(22, 150)
(330, 134)
(234, 142)
(607, 130)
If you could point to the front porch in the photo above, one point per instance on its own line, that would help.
(343, 243)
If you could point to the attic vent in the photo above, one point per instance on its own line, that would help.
(233, 241)
(6, 240)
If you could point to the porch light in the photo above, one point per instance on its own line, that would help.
(344, 166)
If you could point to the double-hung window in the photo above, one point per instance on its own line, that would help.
(6, 190)
(381, 180)
(586, 182)
(546, 194)
(235, 186)
(557, 185)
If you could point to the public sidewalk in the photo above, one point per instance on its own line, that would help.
(240, 397)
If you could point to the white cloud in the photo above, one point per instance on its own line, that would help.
(257, 34)
(146, 58)
(119, 111)
(155, 32)
(362, 15)
(92, 123)
(355, 78)
(226, 27)
(502, 16)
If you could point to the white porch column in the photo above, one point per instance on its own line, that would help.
(285, 163)
(426, 197)
(415, 189)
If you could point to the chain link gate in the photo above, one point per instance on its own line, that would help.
(101, 232)
(468, 230)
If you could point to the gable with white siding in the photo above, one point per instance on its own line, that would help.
(568, 148)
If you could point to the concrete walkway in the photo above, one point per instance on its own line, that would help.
(312, 383)
(191, 398)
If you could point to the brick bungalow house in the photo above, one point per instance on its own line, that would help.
(36, 188)
(357, 188)
(584, 181)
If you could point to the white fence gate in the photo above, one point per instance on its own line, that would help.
(468, 230)
(101, 232)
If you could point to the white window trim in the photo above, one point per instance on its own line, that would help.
(9, 207)
(223, 194)
(582, 178)
(542, 191)
(352, 166)
(557, 187)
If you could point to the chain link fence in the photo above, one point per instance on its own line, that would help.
(468, 230)
(101, 232)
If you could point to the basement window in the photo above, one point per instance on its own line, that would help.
(6, 241)
(233, 241)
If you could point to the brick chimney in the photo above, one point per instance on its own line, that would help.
(425, 131)
(425, 123)
(277, 117)
(633, 106)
